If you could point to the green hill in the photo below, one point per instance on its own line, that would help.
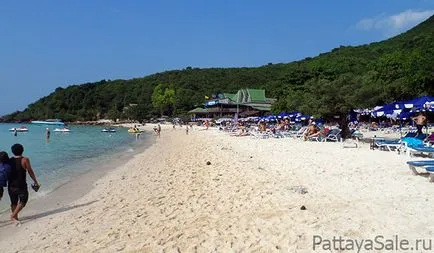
(347, 77)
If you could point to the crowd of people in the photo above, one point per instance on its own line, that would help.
(13, 175)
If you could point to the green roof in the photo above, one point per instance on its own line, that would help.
(256, 95)
(198, 110)
(231, 96)
(262, 108)
(250, 96)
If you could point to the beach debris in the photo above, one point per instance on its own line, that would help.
(251, 156)
(299, 189)
(208, 163)
(303, 208)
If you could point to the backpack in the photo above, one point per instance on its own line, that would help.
(5, 169)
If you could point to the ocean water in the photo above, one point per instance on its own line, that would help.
(67, 155)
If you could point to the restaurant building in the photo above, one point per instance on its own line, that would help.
(247, 102)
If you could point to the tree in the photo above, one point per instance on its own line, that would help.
(164, 99)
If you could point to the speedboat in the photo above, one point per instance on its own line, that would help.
(19, 129)
(63, 130)
(56, 122)
(108, 130)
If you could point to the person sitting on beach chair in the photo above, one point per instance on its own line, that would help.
(430, 139)
(312, 131)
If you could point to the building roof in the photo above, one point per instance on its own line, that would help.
(250, 96)
(261, 108)
(199, 110)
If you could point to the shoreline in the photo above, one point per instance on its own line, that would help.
(60, 198)
(168, 198)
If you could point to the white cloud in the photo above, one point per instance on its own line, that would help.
(393, 24)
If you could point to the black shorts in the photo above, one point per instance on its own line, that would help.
(21, 195)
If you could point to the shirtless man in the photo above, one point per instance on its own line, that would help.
(17, 185)
(420, 122)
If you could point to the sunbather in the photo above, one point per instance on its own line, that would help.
(312, 131)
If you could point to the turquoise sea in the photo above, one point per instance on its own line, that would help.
(67, 155)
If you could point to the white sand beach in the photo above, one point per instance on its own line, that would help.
(167, 199)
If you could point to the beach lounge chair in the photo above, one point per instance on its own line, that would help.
(333, 135)
(297, 134)
(259, 135)
(411, 150)
(389, 145)
(317, 138)
(277, 134)
(427, 165)
(401, 145)
(356, 134)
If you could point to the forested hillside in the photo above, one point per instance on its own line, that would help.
(347, 77)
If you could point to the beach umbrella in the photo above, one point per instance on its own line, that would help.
(253, 118)
(418, 103)
(294, 114)
(388, 109)
(405, 115)
(302, 117)
(271, 118)
(282, 115)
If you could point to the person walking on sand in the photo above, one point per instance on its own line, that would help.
(186, 129)
(158, 130)
(17, 185)
(5, 169)
(420, 122)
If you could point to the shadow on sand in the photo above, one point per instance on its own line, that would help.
(26, 219)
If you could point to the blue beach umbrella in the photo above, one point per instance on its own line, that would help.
(418, 103)
(282, 115)
(388, 109)
(302, 117)
(270, 118)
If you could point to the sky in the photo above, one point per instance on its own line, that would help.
(47, 44)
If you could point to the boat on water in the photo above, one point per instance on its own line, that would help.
(62, 130)
(19, 129)
(56, 122)
(108, 130)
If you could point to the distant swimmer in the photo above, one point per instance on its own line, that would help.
(47, 133)
(15, 132)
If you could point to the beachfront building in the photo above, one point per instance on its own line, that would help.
(246, 102)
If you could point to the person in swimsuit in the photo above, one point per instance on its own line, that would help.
(47, 133)
(420, 122)
(158, 130)
(17, 185)
(4, 171)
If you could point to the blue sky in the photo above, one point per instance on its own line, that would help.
(46, 44)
